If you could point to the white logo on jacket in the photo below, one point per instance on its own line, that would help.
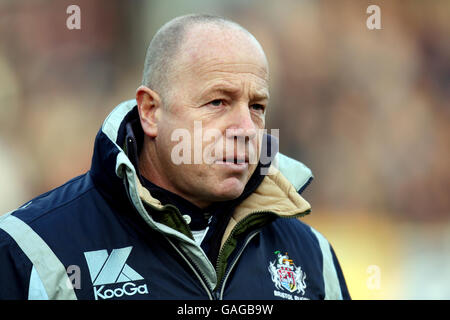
(109, 269)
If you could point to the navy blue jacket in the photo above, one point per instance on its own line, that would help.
(103, 236)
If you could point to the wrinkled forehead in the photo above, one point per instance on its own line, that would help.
(230, 48)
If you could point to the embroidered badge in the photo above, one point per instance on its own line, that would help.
(288, 277)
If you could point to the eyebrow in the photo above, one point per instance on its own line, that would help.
(229, 89)
(262, 94)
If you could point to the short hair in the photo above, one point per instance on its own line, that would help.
(164, 46)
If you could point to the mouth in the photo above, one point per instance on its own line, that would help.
(236, 162)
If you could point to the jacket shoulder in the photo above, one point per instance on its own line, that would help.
(25, 231)
(60, 199)
(297, 231)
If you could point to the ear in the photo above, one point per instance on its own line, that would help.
(149, 105)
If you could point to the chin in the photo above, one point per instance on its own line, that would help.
(230, 190)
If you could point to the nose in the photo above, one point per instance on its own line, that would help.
(241, 124)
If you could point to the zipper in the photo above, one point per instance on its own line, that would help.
(221, 283)
(236, 227)
(228, 272)
(195, 269)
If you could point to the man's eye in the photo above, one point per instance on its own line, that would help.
(258, 107)
(216, 102)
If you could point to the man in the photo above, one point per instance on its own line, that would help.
(141, 224)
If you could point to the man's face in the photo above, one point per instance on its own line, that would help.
(219, 84)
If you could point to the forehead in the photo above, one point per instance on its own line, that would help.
(214, 51)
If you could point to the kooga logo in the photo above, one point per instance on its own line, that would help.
(111, 269)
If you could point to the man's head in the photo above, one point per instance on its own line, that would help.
(203, 71)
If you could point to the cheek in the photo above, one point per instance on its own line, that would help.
(259, 120)
(172, 129)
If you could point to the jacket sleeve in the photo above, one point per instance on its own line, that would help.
(15, 270)
(343, 285)
(333, 278)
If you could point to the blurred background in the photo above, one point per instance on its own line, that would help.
(367, 110)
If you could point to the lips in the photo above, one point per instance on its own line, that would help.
(236, 159)
(238, 163)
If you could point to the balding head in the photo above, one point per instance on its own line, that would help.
(163, 52)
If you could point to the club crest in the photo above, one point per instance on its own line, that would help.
(286, 275)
